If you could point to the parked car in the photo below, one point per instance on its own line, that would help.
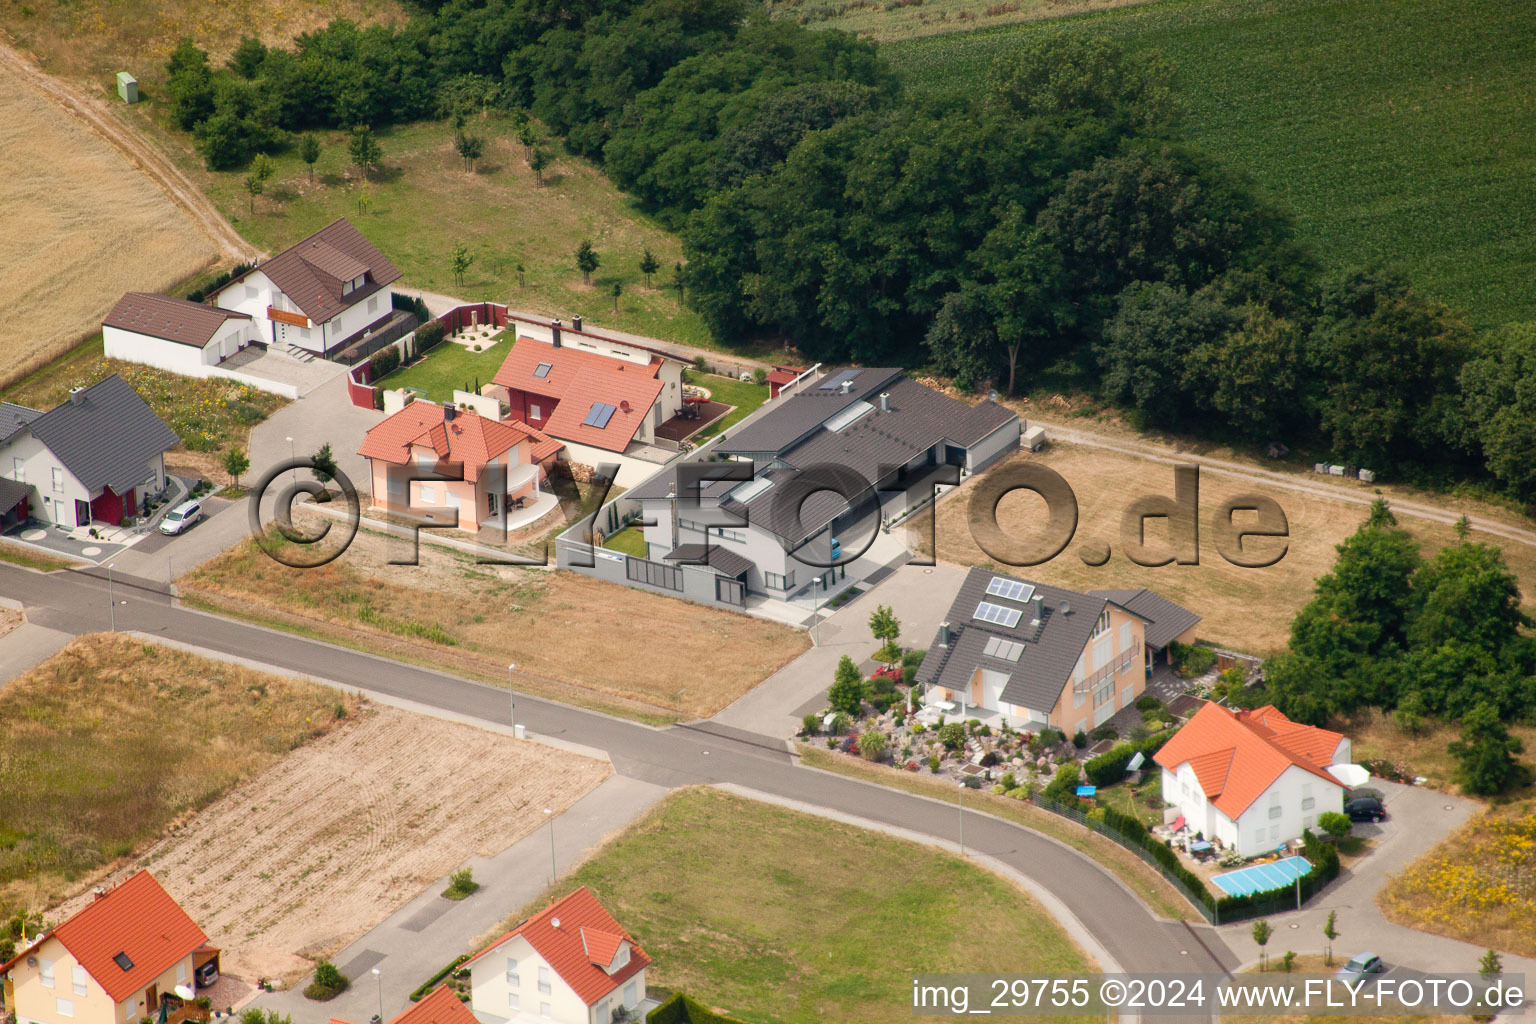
(181, 517)
(208, 974)
(1361, 965)
(1364, 808)
(1360, 791)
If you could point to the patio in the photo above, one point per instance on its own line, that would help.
(683, 426)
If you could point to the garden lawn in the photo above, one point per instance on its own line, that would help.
(446, 367)
(780, 917)
(746, 397)
(630, 540)
(1395, 130)
(110, 740)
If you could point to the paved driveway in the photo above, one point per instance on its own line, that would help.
(1417, 819)
(918, 595)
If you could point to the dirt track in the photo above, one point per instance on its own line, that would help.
(139, 152)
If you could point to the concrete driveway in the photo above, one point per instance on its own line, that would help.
(918, 595)
(1417, 819)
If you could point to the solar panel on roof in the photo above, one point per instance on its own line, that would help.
(542, 370)
(833, 383)
(1013, 590)
(1006, 650)
(986, 611)
(599, 415)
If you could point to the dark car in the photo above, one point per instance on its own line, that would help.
(1364, 808)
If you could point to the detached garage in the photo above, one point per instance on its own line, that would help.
(173, 334)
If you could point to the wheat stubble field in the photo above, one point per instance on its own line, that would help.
(82, 226)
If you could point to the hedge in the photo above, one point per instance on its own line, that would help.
(383, 362)
(428, 335)
(199, 294)
(680, 1009)
(1109, 767)
(431, 983)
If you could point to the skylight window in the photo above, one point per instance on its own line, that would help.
(1013, 590)
(1007, 650)
(542, 370)
(849, 415)
(599, 415)
(122, 961)
(751, 489)
(997, 614)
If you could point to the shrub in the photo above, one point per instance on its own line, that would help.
(872, 746)
(912, 659)
(383, 362)
(847, 692)
(328, 984)
(840, 723)
(1018, 793)
(998, 790)
(1147, 702)
(989, 759)
(1335, 824)
(461, 884)
(1105, 732)
(1079, 739)
(810, 725)
(918, 728)
(933, 764)
(1064, 781)
(952, 735)
(428, 335)
(1050, 737)
(1008, 781)
(1191, 660)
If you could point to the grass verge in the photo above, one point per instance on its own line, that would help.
(111, 740)
(1147, 884)
(18, 555)
(781, 917)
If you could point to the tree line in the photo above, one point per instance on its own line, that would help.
(1422, 639)
(1046, 225)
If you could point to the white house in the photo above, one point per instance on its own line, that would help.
(320, 295)
(93, 458)
(174, 334)
(570, 963)
(1251, 780)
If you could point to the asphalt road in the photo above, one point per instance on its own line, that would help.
(77, 602)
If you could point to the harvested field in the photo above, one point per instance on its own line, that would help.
(83, 225)
(98, 755)
(1248, 609)
(618, 649)
(323, 845)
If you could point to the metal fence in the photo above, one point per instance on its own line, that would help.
(360, 350)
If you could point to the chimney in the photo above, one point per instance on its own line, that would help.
(1039, 603)
(575, 323)
(449, 412)
(847, 386)
(75, 394)
(100, 892)
(943, 634)
(885, 401)
(554, 332)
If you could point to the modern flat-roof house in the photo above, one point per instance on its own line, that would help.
(492, 466)
(174, 334)
(879, 432)
(571, 963)
(1251, 780)
(319, 295)
(1036, 655)
(113, 962)
(94, 457)
(605, 398)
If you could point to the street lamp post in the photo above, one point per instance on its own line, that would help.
(512, 697)
(680, 704)
(293, 457)
(380, 979)
(111, 597)
(821, 582)
(554, 872)
(960, 802)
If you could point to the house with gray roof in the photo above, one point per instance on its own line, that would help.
(760, 516)
(93, 458)
(1167, 623)
(1038, 655)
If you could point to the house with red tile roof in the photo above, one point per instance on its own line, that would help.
(431, 461)
(602, 396)
(114, 961)
(571, 963)
(1251, 780)
(440, 1006)
(320, 294)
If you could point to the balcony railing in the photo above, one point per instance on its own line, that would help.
(1088, 682)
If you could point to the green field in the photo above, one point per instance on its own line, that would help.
(778, 916)
(1396, 130)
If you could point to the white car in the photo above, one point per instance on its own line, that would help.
(181, 517)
